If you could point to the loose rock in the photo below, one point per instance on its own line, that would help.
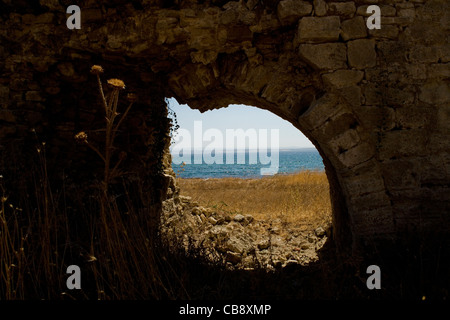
(320, 232)
(233, 257)
(239, 241)
(263, 244)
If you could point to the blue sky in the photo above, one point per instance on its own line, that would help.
(241, 117)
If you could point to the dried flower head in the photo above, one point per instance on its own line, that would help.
(96, 69)
(132, 97)
(81, 137)
(116, 83)
(91, 258)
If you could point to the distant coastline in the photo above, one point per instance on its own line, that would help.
(290, 161)
(248, 149)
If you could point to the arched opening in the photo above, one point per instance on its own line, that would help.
(379, 121)
(254, 189)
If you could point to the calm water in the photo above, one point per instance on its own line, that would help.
(290, 161)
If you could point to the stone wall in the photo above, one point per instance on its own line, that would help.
(374, 102)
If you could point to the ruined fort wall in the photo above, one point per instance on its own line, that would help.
(374, 102)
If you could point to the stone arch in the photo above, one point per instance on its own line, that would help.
(375, 103)
(320, 102)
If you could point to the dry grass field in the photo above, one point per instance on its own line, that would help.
(301, 200)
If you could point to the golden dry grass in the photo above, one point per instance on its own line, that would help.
(301, 200)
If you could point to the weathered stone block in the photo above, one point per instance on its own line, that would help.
(34, 117)
(41, 19)
(414, 117)
(323, 29)
(352, 94)
(365, 178)
(399, 174)
(343, 78)
(238, 33)
(343, 9)
(438, 140)
(375, 118)
(28, 18)
(438, 70)
(404, 5)
(400, 21)
(399, 97)
(320, 111)
(424, 54)
(356, 155)
(391, 52)
(410, 12)
(445, 53)
(365, 221)
(289, 11)
(373, 95)
(443, 118)
(403, 143)
(266, 23)
(387, 32)
(361, 53)
(7, 116)
(353, 29)
(386, 10)
(7, 131)
(52, 90)
(204, 57)
(345, 141)
(429, 173)
(435, 93)
(33, 85)
(331, 56)
(416, 71)
(33, 96)
(228, 17)
(233, 257)
(338, 124)
(370, 201)
(89, 15)
(320, 8)
(4, 94)
(52, 4)
(66, 69)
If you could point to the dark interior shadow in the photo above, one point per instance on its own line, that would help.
(321, 279)
(406, 275)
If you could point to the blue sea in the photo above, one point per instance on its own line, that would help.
(289, 161)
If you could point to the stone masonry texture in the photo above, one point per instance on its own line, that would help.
(375, 103)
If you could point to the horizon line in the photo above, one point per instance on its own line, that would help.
(253, 149)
